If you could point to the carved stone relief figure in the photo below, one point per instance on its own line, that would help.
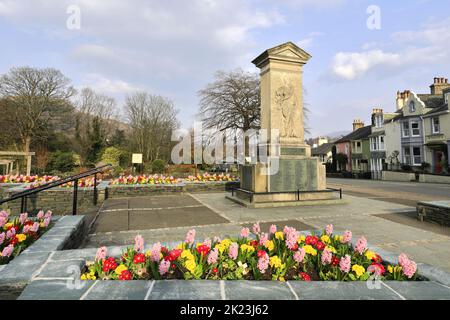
(286, 102)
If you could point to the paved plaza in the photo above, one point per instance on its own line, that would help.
(388, 225)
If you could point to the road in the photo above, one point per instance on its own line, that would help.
(407, 193)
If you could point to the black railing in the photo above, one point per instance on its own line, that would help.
(298, 192)
(92, 172)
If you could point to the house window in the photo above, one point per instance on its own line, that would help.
(405, 129)
(417, 156)
(435, 124)
(412, 107)
(374, 144)
(415, 129)
(381, 142)
(407, 155)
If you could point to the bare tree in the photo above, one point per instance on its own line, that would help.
(93, 108)
(152, 119)
(35, 96)
(232, 101)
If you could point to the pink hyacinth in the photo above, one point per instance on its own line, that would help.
(409, 267)
(23, 217)
(40, 214)
(361, 245)
(403, 259)
(139, 243)
(263, 263)
(190, 237)
(245, 232)
(10, 233)
(207, 242)
(2, 238)
(164, 267)
(4, 214)
(101, 254)
(273, 229)
(26, 229)
(329, 229)
(3, 221)
(156, 252)
(217, 239)
(345, 264)
(213, 256)
(299, 255)
(233, 250)
(34, 227)
(256, 228)
(291, 240)
(263, 239)
(48, 214)
(7, 251)
(347, 237)
(326, 257)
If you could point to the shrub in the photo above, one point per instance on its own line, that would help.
(158, 166)
(112, 155)
(406, 167)
(61, 162)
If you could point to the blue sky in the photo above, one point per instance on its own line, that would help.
(173, 47)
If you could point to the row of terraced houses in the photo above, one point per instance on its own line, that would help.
(416, 135)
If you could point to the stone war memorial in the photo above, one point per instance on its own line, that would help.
(292, 175)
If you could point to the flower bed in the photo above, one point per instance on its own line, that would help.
(276, 255)
(161, 179)
(26, 179)
(18, 233)
(206, 177)
(82, 183)
(144, 179)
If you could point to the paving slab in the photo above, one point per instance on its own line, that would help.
(23, 267)
(423, 290)
(173, 218)
(189, 290)
(54, 290)
(62, 269)
(118, 290)
(257, 290)
(330, 290)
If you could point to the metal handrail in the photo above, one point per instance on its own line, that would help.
(298, 192)
(24, 194)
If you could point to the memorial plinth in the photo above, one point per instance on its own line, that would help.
(295, 175)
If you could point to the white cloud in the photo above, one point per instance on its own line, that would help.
(101, 84)
(308, 41)
(352, 65)
(412, 48)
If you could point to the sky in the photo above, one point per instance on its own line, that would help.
(362, 51)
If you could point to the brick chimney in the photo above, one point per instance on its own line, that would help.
(357, 124)
(439, 85)
(402, 97)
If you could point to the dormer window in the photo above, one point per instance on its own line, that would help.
(412, 107)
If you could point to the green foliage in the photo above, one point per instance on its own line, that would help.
(158, 166)
(113, 156)
(61, 161)
(96, 141)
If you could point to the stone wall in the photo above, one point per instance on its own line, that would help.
(59, 200)
(434, 211)
(120, 191)
(398, 176)
(432, 178)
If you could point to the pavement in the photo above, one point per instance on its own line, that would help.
(387, 224)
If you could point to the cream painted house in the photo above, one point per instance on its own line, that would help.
(437, 136)
(418, 115)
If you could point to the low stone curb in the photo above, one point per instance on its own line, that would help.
(67, 289)
(68, 232)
